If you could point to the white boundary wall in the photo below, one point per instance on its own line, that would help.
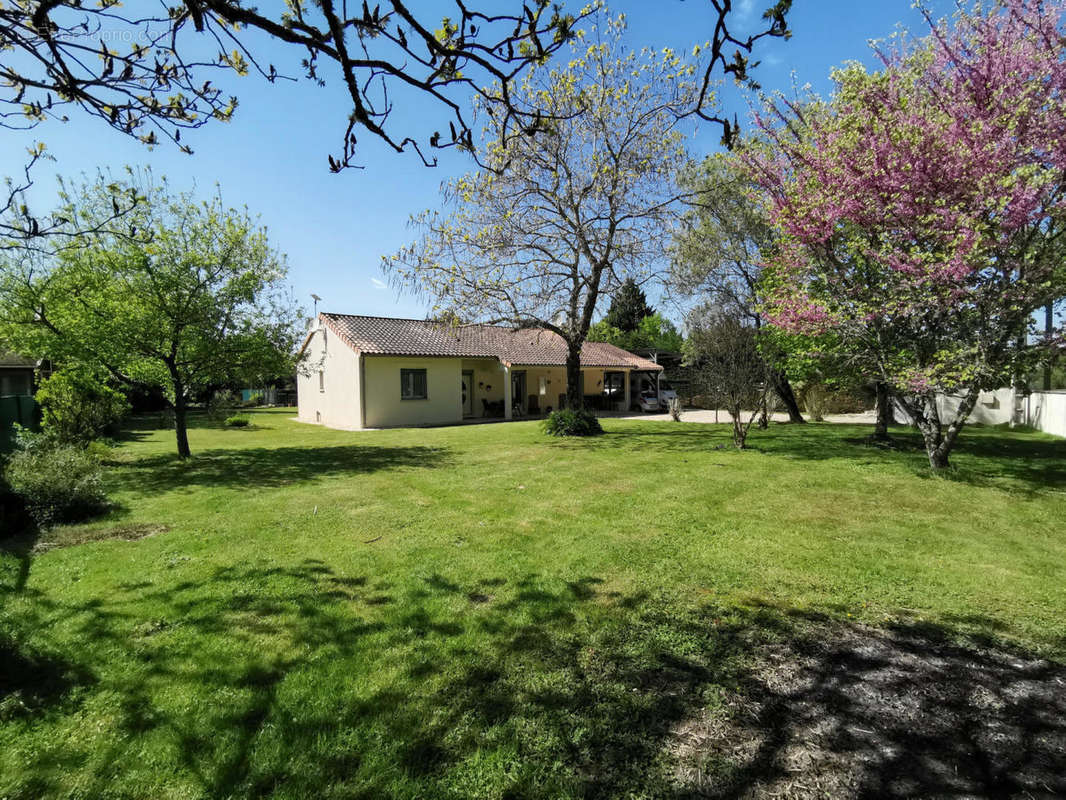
(1045, 411)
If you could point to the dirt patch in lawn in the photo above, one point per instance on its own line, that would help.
(855, 711)
(68, 537)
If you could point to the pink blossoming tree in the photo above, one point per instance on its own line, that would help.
(921, 208)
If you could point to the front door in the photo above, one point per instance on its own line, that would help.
(468, 393)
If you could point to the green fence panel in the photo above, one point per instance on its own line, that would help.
(20, 408)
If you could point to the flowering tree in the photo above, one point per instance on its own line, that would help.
(920, 209)
(559, 219)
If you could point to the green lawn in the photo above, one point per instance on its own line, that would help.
(482, 611)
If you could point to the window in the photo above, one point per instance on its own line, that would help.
(321, 380)
(413, 384)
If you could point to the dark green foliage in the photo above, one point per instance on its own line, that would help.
(77, 407)
(628, 307)
(237, 421)
(652, 333)
(568, 422)
(56, 483)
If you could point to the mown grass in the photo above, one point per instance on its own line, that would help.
(484, 611)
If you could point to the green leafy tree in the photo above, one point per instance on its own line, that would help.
(629, 306)
(197, 299)
(565, 216)
(78, 406)
(718, 255)
(653, 332)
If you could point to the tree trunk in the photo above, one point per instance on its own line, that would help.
(575, 392)
(740, 430)
(1049, 328)
(885, 415)
(938, 442)
(783, 389)
(764, 415)
(181, 430)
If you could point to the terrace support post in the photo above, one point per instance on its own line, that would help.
(628, 383)
(507, 402)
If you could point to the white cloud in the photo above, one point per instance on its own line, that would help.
(378, 284)
(745, 9)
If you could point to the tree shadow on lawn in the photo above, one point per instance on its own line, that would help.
(266, 680)
(268, 466)
(984, 456)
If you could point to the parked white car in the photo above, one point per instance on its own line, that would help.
(650, 400)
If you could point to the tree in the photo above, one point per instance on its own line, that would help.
(563, 217)
(921, 209)
(723, 351)
(718, 254)
(628, 308)
(60, 54)
(653, 333)
(197, 300)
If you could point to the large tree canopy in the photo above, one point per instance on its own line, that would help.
(921, 210)
(561, 218)
(197, 299)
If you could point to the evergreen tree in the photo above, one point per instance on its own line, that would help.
(629, 307)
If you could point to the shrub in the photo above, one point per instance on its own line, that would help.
(222, 403)
(237, 421)
(59, 483)
(815, 401)
(77, 406)
(568, 422)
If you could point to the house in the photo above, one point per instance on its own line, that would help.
(16, 397)
(16, 375)
(378, 372)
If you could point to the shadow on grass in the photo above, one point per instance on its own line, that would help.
(296, 681)
(268, 466)
(983, 456)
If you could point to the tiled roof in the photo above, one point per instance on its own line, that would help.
(12, 360)
(415, 337)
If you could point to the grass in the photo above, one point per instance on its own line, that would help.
(484, 611)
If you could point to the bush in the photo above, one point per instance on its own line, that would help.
(237, 421)
(77, 407)
(816, 401)
(222, 403)
(567, 422)
(59, 483)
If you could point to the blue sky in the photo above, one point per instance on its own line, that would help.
(335, 228)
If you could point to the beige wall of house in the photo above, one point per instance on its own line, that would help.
(341, 388)
(327, 383)
(382, 397)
